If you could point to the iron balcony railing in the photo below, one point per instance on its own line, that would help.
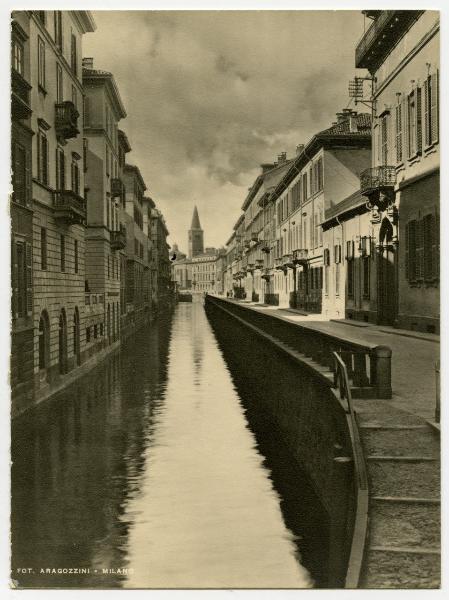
(118, 239)
(20, 97)
(69, 207)
(66, 120)
(377, 178)
(300, 255)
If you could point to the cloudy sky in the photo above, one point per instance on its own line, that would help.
(212, 95)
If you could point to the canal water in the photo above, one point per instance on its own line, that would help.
(147, 474)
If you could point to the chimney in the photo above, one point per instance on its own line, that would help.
(282, 157)
(88, 63)
(299, 149)
(353, 124)
(266, 167)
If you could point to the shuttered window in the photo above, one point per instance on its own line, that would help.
(62, 252)
(22, 282)
(430, 120)
(75, 250)
(42, 157)
(350, 277)
(73, 55)
(60, 169)
(43, 249)
(41, 62)
(422, 249)
(399, 142)
(384, 139)
(366, 276)
(20, 169)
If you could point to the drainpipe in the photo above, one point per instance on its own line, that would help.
(342, 254)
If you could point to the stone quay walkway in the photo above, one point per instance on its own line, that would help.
(402, 453)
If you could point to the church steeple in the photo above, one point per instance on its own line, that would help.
(195, 220)
(196, 243)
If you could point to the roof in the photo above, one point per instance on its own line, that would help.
(195, 220)
(352, 202)
(274, 173)
(123, 139)
(136, 171)
(338, 134)
(108, 78)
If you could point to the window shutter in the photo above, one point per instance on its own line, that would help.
(398, 133)
(45, 159)
(434, 108)
(428, 227)
(407, 244)
(418, 113)
(420, 249)
(14, 280)
(404, 113)
(427, 133)
(29, 278)
(436, 246)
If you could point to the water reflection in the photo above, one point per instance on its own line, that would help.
(148, 465)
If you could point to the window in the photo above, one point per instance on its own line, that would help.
(75, 250)
(431, 247)
(73, 55)
(319, 174)
(59, 84)
(350, 276)
(414, 123)
(101, 328)
(20, 174)
(399, 142)
(75, 177)
(384, 139)
(431, 109)
(60, 169)
(17, 58)
(74, 96)
(87, 335)
(86, 111)
(337, 279)
(43, 341)
(58, 29)
(42, 157)
(43, 249)
(304, 187)
(41, 62)
(366, 276)
(95, 331)
(62, 251)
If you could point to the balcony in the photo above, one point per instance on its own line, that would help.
(287, 261)
(376, 179)
(69, 208)
(118, 239)
(20, 96)
(116, 187)
(300, 256)
(66, 120)
(381, 37)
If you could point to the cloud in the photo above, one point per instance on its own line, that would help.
(212, 94)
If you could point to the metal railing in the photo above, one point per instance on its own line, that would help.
(368, 365)
(375, 178)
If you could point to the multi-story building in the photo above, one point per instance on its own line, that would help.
(138, 311)
(22, 345)
(59, 208)
(400, 49)
(162, 284)
(105, 232)
(125, 220)
(204, 272)
(257, 235)
(324, 172)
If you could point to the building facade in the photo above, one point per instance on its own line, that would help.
(59, 207)
(400, 50)
(105, 232)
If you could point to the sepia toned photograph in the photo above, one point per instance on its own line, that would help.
(224, 299)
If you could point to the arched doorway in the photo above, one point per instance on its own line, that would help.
(76, 336)
(386, 275)
(44, 343)
(62, 342)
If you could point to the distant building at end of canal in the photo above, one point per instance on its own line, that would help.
(89, 250)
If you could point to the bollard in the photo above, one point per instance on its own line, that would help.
(380, 359)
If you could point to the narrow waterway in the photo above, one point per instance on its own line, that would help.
(147, 474)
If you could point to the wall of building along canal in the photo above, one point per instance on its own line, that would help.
(304, 410)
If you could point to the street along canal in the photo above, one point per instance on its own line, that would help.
(155, 470)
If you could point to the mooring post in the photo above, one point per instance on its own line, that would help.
(380, 359)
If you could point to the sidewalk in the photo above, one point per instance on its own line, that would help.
(413, 363)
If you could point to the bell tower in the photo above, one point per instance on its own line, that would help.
(196, 241)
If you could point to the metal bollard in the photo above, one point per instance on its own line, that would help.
(380, 359)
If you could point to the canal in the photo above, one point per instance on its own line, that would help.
(153, 471)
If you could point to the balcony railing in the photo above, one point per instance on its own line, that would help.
(382, 35)
(300, 256)
(20, 96)
(118, 239)
(116, 187)
(377, 178)
(66, 120)
(69, 207)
